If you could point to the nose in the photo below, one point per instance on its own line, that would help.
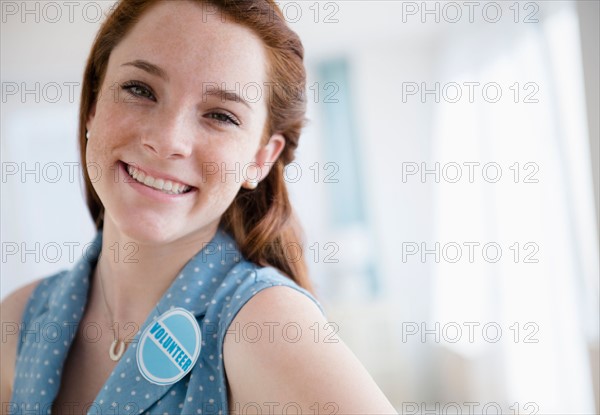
(169, 136)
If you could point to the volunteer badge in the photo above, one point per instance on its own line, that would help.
(169, 347)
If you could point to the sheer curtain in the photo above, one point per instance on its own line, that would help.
(521, 215)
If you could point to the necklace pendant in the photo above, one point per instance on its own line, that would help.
(111, 352)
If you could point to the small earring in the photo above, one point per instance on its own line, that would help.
(251, 184)
(87, 135)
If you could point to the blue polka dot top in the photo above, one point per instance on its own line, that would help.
(213, 286)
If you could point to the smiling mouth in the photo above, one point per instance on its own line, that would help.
(163, 185)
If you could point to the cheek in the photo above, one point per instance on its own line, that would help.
(98, 157)
(224, 171)
(95, 153)
(100, 169)
(109, 130)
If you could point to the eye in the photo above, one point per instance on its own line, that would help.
(139, 90)
(224, 118)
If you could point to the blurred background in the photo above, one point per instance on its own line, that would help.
(447, 184)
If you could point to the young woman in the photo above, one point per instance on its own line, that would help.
(169, 312)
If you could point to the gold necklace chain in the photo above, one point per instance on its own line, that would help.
(114, 355)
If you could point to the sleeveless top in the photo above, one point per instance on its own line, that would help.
(214, 285)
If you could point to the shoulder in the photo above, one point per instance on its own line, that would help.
(281, 349)
(245, 280)
(11, 314)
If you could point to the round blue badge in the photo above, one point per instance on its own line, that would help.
(169, 347)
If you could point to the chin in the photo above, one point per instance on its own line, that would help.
(151, 230)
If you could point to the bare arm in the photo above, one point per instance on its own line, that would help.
(11, 313)
(296, 362)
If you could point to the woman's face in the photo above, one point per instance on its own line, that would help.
(159, 111)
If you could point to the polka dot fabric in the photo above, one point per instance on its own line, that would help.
(213, 286)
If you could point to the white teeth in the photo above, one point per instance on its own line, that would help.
(166, 186)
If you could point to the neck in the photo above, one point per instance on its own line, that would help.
(136, 274)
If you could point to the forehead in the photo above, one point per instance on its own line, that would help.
(184, 38)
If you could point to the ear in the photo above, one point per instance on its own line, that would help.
(265, 157)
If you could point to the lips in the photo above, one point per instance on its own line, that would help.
(155, 181)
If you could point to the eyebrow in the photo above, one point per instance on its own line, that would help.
(148, 67)
(225, 95)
